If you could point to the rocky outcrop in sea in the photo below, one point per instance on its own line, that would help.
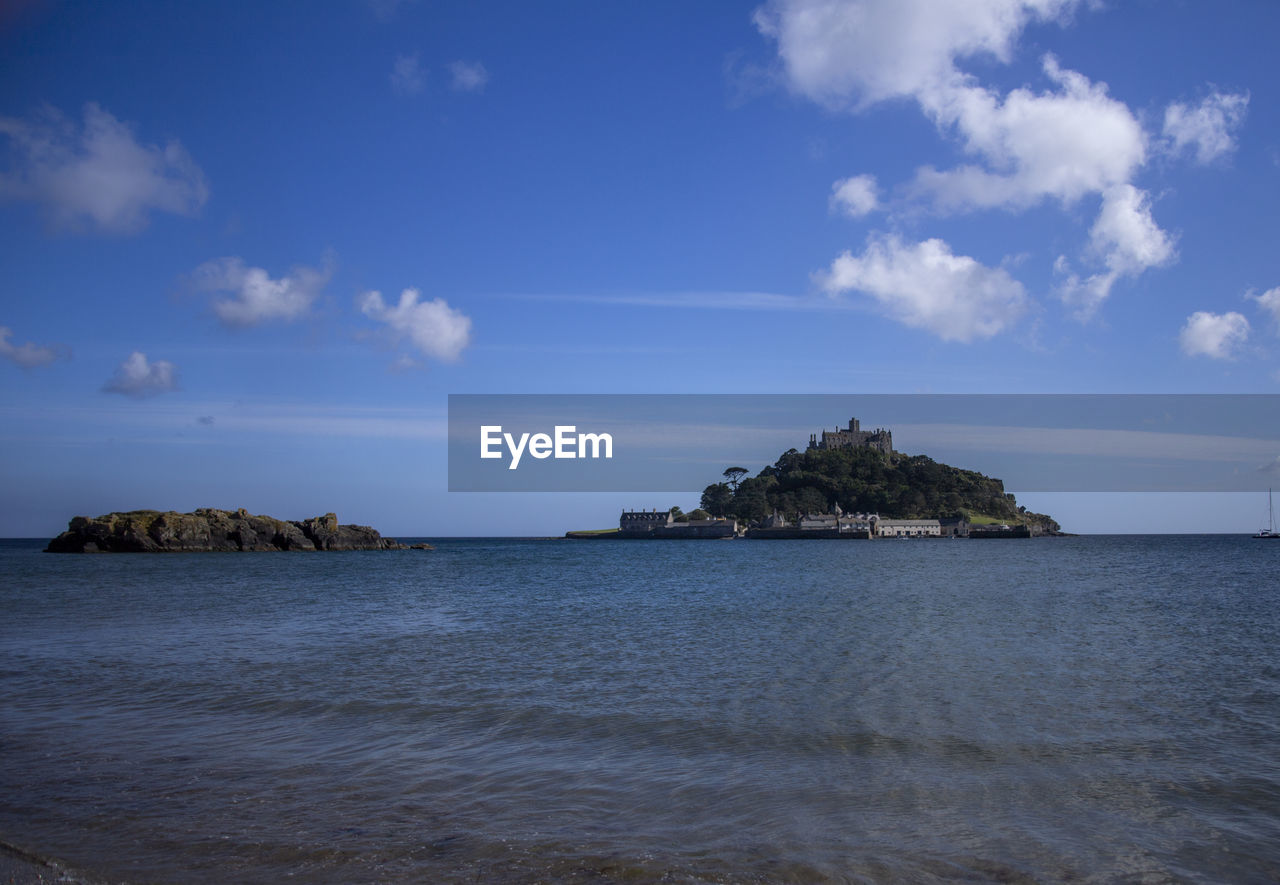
(213, 531)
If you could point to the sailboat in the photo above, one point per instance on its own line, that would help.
(1270, 530)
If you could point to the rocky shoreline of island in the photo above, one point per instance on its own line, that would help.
(208, 530)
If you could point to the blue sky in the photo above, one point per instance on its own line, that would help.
(250, 249)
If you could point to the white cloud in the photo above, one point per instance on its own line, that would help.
(433, 327)
(29, 355)
(1065, 143)
(404, 363)
(854, 54)
(1084, 294)
(1126, 239)
(1126, 234)
(1062, 144)
(1215, 335)
(254, 296)
(855, 197)
(925, 286)
(1270, 302)
(407, 75)
(469, 76)
(98, 172)
(1209, 128)
(138, 378)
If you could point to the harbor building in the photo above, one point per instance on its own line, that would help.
(659, 524)
(909, 528)
(637, 522)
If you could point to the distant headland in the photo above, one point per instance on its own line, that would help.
(214, 531)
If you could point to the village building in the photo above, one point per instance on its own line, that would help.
(774, 520)
(909, 528)
(643, 521)
(818, 521)
(660, 524)
(859, 524)
(836, 520)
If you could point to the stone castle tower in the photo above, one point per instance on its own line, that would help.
(853, 438)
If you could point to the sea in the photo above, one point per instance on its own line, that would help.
(1079, 709)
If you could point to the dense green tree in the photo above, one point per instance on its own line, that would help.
(811, 500)
(733, 474)
(863, 480)
(752, 502)
(717, 499)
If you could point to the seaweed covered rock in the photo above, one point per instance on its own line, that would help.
(208, 530)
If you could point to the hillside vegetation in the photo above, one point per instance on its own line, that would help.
(864, 480)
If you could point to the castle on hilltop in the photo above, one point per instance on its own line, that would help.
(854, 438)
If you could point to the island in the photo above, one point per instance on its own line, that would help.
(848, 483)
(214, 531)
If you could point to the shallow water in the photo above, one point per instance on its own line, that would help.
(1096, 709)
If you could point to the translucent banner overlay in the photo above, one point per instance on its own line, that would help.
(1033, 442)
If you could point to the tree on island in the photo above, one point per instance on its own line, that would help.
(717, 499)
(733, 475)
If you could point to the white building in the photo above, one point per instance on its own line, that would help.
(859, 523)
(909, 528)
